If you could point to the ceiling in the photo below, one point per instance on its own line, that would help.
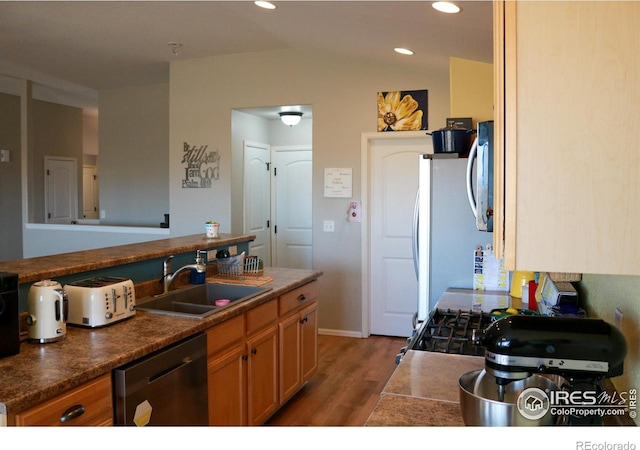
(76, 48)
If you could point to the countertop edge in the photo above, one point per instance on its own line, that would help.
(43, 267)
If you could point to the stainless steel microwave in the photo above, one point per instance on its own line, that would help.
(480, 180)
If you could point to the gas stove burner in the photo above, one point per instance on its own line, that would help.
(449, 331)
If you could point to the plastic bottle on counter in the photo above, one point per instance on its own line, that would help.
(199, 278)
(519, 280)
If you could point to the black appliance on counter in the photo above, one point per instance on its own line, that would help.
(582, 351)
(9, 315)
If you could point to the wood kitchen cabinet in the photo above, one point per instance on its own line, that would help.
(226, 370)
(242, 367)
(567, 137)
(298, 345)
(262, 375)
(258, 360)
(89, 405)
(298, 338)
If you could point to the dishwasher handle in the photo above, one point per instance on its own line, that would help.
(185, 362)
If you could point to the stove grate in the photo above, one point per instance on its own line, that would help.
(451, 331)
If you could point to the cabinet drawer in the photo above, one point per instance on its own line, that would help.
(94, 397)
(301, 296)
(261, 316)
(222, 336)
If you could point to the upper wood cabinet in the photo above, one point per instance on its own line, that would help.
(568, 139)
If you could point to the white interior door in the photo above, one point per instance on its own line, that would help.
(90, 192)
(292, 205)
(61, 189)
(393, 286)
(257, 198)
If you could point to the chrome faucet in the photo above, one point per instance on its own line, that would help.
(168, 277)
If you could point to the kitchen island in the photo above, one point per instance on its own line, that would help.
(41, 372)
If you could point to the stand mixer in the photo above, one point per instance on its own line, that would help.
(582, 351)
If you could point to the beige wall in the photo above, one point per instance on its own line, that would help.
(134, 147)
(602, 295)
(57, 132)
(10, 186)
(342, 93)
(471, 90)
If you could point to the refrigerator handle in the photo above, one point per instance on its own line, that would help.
(472, 157)
(414, 235)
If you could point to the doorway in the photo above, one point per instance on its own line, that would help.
(90, 192)
(274, 162)
(61, 189)
(291, 204)
(390, 181)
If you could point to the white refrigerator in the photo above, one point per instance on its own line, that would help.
(445, 233)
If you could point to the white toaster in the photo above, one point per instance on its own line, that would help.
(96, 302)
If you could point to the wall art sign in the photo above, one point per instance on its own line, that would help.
(403, 110)
(337, 182)
(202, 166)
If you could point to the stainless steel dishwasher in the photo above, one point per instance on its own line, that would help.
(166, 388)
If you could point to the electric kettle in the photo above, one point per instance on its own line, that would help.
(48, 310)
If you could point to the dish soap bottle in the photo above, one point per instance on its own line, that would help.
(199, 278)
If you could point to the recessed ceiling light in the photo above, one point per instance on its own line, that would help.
(265, 5)
(446, 7)
(403, 51)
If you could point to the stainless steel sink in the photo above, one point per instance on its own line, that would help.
(198, 300)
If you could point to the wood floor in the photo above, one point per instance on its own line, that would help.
(351, 374)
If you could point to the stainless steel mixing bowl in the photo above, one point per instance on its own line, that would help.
(480, 405)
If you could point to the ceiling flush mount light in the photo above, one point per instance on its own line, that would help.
(403, 51)
(174, 47)
(446, 7)
(265, 5)
(290, 118)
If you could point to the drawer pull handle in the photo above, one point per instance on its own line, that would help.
(72, 413)
(301, 298)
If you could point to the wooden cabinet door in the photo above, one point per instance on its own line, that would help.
(262, 375)
(572, 194)
(290, 356)
(309, 341)
(227, 388)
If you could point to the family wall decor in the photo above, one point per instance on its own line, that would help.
(403, 110)
(202, 166)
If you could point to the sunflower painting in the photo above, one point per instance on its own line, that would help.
(402, 111)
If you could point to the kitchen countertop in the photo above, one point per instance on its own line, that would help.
(43, 267)
(42, 371)
(423, 391)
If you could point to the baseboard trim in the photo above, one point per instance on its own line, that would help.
(343, 333)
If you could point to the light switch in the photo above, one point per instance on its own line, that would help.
(5, 156)
(329, 226)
